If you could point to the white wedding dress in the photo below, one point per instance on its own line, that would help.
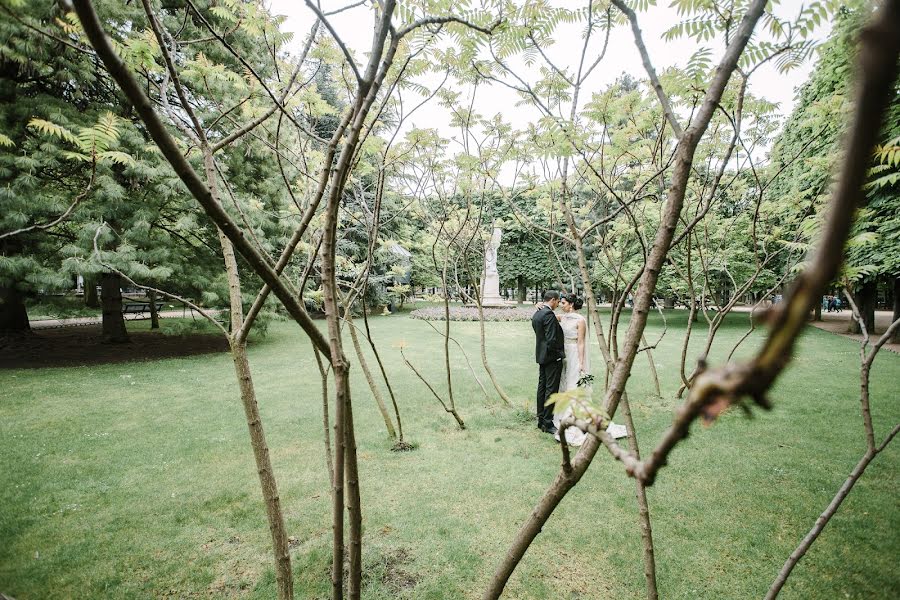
(572, 370)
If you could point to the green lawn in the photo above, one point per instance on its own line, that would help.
(137, 480)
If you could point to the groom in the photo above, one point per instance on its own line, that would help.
(549, 352)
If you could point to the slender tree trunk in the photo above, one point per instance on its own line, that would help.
(384, 376)
(13, 314)
(284, 579)
(520, 299)
(652, 368)
(865, 301)
(354, 508)
(483, 345)
(692, 318)
(447, 332)
(817, 313)
(643, 509)
(154, 314)
(376, 393)
(337, 493)
(326, 421)
(895, 339)
(91, 300)
(344, 453)
(283, 576)
(484, 360)
(113, 321)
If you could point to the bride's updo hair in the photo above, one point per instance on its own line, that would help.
(574, 300)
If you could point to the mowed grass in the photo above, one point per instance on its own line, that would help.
(137, 480)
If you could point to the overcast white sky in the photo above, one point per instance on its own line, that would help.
(355, 28)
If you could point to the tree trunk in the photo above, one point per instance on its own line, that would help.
(154, 315)
(865, 302)
(522, 289)
(354, 507)
(484, 361)
(653, 372)
(326, 421)
(387, 382)
(669, 302)
(643, 509)
(13, 314)
(817, 315)
(111, 297)
(91, 300)
(283, 577)
(895, 339)
(382, 407)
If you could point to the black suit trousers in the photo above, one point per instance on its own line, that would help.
(548, 383)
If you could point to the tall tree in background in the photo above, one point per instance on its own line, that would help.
(807, 151)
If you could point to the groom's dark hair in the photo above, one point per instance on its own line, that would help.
(551, 295)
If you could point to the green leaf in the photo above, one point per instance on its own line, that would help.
(119, 158)
(48, 128)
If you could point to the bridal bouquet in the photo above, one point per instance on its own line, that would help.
(585, 380)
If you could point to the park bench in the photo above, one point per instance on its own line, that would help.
(140, 309)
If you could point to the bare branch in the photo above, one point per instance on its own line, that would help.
(337, 39)
(648, 66)
(46, 34)
(238, 133)
(343, 8)
(253, 72)
(448, 19)
(62, 217)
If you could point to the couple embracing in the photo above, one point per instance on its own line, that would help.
(562, 353)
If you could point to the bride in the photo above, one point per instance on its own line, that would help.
(576, 365)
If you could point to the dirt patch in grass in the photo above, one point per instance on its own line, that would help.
(395, 576)
(403, 447)
(390, 570)
(77, 346)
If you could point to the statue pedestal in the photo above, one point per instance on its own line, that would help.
(490, 291)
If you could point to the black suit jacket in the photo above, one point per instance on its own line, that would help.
(549, 346)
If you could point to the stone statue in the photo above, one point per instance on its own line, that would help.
(490, 252)
(490, 279)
